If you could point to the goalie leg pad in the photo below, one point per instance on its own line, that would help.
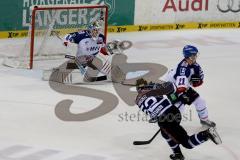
(117, 74)
(61, 76)
(72, 65)
(103, 66)
(96, 64)
(84, 60)
(90, 75)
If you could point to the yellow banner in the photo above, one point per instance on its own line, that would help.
(135, 28)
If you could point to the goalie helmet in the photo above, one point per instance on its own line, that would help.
(189, 51)
(94, 30)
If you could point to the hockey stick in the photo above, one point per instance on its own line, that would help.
(80, 67)
(148, 141)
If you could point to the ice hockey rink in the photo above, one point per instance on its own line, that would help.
(31, 129)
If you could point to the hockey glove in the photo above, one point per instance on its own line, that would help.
(103, 51)
(188, 97)
(65, 43)
(196, 80)
(173, 97)
(185, 99)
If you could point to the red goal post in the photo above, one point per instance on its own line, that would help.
(49, 24)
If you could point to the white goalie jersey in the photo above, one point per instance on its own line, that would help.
(86, 44)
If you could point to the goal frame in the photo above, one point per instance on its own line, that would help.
(59, 7)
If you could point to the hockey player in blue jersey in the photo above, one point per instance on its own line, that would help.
(185, 76)
(92, 53)
(153, 99)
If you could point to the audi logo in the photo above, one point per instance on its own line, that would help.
(228, 6)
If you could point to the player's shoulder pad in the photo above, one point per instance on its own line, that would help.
(183, 69)
(183, 63)
(196, 64)
(83, 33)
(168, 87)
(80, 36)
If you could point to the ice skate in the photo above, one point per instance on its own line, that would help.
(177, 156)
(208, 123)
(214, 136)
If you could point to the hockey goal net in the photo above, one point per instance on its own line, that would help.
(49, 24)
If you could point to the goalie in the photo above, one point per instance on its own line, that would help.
(95, 55)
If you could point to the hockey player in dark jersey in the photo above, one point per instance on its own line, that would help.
(153, 99)
(185, 76)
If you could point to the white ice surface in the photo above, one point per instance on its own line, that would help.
(30, 130)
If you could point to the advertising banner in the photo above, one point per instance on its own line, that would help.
(15, 14)
(181, 11)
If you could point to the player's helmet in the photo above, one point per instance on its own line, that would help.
(94, 30)
(140, 83)
(189, 51)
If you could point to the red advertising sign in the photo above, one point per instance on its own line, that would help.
(185, 5)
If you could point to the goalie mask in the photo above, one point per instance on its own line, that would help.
(94, 30)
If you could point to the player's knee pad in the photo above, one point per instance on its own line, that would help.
(117, 74)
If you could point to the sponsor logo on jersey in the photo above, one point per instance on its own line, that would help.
(93, 48)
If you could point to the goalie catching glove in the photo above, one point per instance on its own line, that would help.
(117, 46)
